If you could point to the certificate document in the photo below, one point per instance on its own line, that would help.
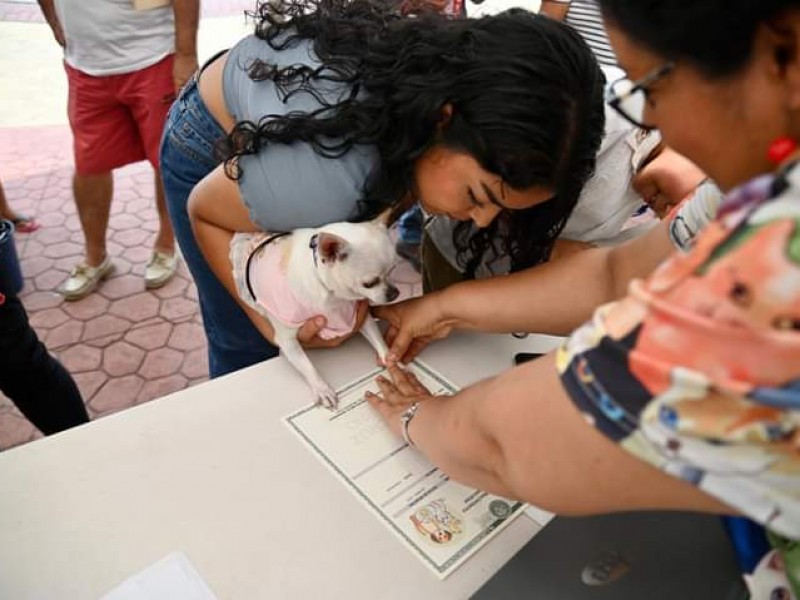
(440, 521)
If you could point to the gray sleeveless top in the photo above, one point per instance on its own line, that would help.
(291, 186)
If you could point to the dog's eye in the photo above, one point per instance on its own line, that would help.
(372, 283)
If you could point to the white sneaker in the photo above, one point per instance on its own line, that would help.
(83, 279)
(160, 269)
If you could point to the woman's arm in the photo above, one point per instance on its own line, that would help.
(557, 297)
(520, 436)
(216, 212)
(553, 298)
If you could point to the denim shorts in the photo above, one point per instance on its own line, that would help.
(187, 155)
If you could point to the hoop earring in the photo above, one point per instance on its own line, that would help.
(780, 149)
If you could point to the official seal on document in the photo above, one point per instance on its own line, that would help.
(500, 508)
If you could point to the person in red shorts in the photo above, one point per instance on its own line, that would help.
(125, 61)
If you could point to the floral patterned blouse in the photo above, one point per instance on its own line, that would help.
(697, 370)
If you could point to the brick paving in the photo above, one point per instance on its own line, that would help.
(124, 344)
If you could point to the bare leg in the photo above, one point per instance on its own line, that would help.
(165, 240)
(93, 199)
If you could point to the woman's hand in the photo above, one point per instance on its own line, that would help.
(397, 395)
(413, 324)
(666, 180)
(308, 334)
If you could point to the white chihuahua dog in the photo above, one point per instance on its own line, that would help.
(290, 278)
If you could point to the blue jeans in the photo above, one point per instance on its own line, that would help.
(187, 155)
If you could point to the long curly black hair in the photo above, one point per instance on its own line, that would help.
(526, 97)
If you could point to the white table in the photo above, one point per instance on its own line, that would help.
(213, 471)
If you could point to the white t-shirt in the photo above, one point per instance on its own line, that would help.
(109, 37)
(607, 200)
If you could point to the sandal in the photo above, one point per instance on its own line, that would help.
(24, 224)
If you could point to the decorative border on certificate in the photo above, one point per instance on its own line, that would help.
(441, 521)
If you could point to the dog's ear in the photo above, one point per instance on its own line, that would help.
(332, 247)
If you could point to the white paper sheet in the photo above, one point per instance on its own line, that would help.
(441, 521)
(171, 578)
(540, 515)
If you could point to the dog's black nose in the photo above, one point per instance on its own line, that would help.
(391, 293)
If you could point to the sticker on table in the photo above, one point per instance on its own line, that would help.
(441, 521)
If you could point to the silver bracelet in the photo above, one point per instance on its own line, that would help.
(405, 419)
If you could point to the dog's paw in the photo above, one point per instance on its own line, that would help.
(326, 397)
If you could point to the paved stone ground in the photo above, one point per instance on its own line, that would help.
(124, 345)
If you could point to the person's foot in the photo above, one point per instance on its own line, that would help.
(160, 269)
(22, 223)
(83, 279)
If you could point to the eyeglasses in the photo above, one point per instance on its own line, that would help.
(629, 98)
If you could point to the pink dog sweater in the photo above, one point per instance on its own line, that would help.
(272, 291)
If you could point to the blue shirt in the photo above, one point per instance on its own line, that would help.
(287, 186)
